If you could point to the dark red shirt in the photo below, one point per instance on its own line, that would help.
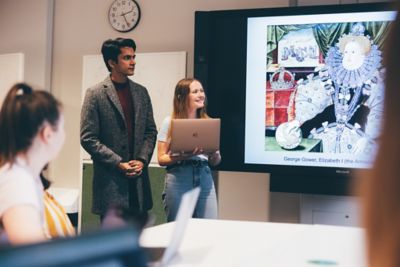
(125, 99)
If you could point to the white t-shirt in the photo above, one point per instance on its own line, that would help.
(18, 187)
(163, 132)
(163, 137)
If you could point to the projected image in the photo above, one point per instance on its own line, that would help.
(324, 87)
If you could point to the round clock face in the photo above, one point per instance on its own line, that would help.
(124, 15)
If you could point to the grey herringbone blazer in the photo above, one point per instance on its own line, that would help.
(104, 136)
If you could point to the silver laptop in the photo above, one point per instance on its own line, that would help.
(162, 256)
(187, 134)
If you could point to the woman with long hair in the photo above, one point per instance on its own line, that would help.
(31, 135)
(185, 172)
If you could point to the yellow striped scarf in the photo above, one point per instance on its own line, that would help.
(56, 219)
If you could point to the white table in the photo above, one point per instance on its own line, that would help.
(238, 243)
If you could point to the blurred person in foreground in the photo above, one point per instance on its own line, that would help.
(380, 187)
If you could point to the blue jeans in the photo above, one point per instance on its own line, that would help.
(182, 178)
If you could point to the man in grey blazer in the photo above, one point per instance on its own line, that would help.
(118, 131)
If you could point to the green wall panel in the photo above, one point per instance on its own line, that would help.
(91, 222)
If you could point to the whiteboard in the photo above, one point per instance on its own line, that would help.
(158, 72)
(11, 72)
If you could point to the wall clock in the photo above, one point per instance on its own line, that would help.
(124, 15)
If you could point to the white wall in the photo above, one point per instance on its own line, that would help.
(25, 26)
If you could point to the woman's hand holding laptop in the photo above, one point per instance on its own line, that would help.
(178, 156)
(214, 158)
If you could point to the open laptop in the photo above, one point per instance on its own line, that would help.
(159, 257)
(187, 134)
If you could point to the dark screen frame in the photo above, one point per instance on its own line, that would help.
(220, 63)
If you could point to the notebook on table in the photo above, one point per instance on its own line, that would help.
(187, 134)
(159, 256)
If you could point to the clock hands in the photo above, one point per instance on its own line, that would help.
(127, 23)
(123, 14)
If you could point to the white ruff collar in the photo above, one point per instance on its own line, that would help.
(352, 78)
